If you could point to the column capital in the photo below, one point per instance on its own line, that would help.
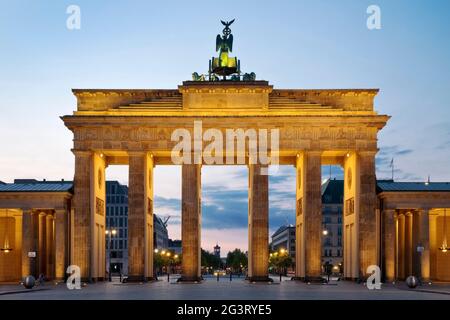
(137, 153)
(312, 152)
(390, 211)
(82, 153)
(367, 153)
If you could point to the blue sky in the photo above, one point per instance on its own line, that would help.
(158, 44)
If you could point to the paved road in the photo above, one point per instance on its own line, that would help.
(225, 290)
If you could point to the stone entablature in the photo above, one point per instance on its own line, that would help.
(35, 200)
(216, 97)
(143, 120)
(414, 200)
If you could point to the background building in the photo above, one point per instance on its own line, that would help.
(217, 250)
(332, 252)
(284, 238)
(160, 234)
(175, 246)
(332, 199)
(117, 219)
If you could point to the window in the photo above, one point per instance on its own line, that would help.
(339, 219)
(339, 241)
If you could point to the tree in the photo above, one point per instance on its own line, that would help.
(210, 260)
(237, 260)
(280, 261)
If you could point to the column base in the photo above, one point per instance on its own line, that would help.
(353, 279)
(298, 279)
(314, 279)
(136, 279)
(187, 279)
(259, 279)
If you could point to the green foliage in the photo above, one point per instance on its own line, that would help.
(280, 261)
(210, 260)
(237, 260)
(164, 260)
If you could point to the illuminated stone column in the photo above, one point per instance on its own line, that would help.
(30, 241)
(61, 238)
(401, 247)
(350, 215)
(82, 219)
(299, 220)
(42, 250)
(408, 244)
(367, 231)
(433, 214)
(98, 214)
(389, 243)
(258, 223)
(360, 222)
(312, 214)
(424, 241)
(49, 245)
(140, 217)
(191, 222)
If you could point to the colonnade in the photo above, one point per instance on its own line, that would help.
(359, 218)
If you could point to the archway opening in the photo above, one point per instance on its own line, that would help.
(224, 234)
(167, 221)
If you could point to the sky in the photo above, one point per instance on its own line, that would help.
(158, 44)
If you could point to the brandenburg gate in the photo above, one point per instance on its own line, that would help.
(136, 127)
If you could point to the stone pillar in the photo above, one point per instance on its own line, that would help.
(299, 220)
(433, 244)
(401, 247)
(30, 242)
(424, 241)
(258, 219)
(408, 244)
(389, 243)
(367, 232)
(140, 217)
(82, 219)
(42, 251)
(350, 210)
(191, 222)
(49, 245)
(312, 211)
(61, 239)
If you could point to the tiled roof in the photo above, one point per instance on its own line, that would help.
(413, 186)
(38, 186)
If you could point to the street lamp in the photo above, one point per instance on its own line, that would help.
(110, 233)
